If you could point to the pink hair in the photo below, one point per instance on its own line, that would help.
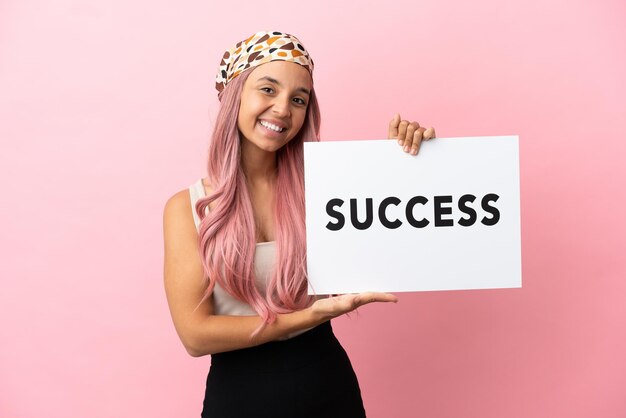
(227, 235)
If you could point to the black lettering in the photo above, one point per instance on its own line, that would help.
(341, 221)
(369, 214)
(463, 207)
(409, 212)
(442, 210)
(495, 213)
(382, 215)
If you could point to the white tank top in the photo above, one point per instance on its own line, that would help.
(264, 257)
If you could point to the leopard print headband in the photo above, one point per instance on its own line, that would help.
(260, 48)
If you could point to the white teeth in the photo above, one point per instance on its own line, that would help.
(272, 126)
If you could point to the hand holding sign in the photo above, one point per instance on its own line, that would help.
(334, 306)
(409, 134)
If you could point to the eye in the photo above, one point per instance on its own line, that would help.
(299, 101)
(268, 90)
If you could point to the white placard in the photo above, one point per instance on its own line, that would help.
(443, 241)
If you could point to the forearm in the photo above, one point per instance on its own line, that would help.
(218, 333)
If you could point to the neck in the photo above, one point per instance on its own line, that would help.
(258, 165)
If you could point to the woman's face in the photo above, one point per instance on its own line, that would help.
(273, 105)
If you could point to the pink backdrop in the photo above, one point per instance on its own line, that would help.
(105, 110)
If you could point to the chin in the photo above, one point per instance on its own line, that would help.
(269, 147)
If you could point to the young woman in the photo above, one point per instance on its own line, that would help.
(235, 253)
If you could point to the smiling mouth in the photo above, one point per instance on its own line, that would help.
(271, 126)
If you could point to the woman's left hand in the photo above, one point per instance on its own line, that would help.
(409, 134)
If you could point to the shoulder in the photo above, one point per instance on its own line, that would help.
(177, 213)
(178, 202)
(178, 206)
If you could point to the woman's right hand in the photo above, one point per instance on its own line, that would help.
(334, 306)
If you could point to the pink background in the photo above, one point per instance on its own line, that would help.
(105, 111)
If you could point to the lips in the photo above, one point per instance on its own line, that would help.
(273, 126)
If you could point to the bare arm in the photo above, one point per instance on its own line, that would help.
(200, 330)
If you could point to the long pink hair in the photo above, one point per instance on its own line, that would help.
(227, 235)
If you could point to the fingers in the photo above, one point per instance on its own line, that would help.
(416, 141)
(334, 306)
(429, 134)
(393, 126)
(370, 297)
(406, 131)
(409, 134)
(402, 128)
(410, 131)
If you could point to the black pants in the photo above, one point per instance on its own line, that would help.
(309, 375)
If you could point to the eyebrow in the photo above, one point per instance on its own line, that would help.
(274, 81)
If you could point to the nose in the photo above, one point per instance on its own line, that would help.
(281, 106)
